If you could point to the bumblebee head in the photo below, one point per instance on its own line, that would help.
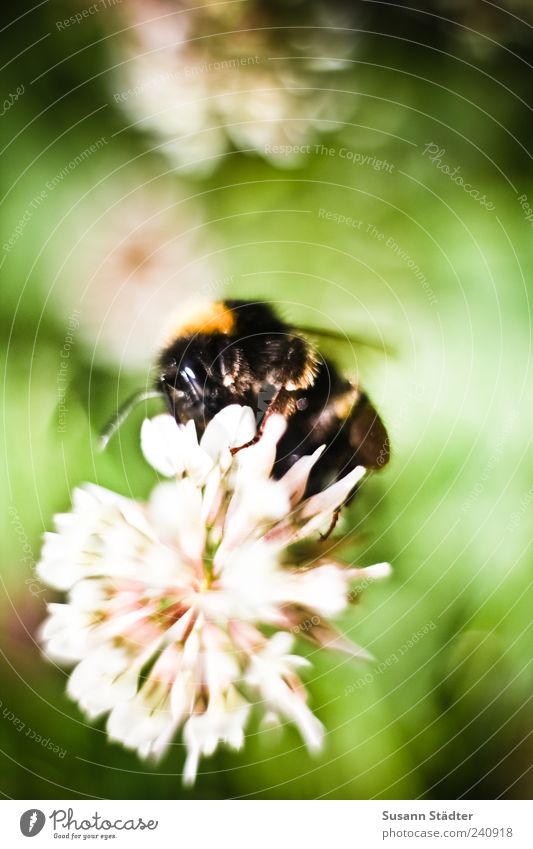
(191, 378)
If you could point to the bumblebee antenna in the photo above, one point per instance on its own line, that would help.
(122, 414)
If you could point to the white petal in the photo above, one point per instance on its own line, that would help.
(308, 725)
(162, 444)
(190, 768)
(267, 672)
(372, 573)
(257, 460)
(196, 459)
(56, 568)
(177, 512)
(91, 594)
(213, 496)
(232, 426)
(220, 667)
(101, 526)
(103, 679)
(130, 510)
(278, 645)
(323, 589)
(65, 634)
(221, 723)
(252, 585)
(143, 724)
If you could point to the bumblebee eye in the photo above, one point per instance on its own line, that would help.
(192, 385)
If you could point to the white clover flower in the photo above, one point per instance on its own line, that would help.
(203, 78)
(169, 600)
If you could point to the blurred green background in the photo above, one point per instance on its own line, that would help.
(95, 254)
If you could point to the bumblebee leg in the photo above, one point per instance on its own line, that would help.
(294, 369)
(281, 402)
(334, 520)
(253, 441)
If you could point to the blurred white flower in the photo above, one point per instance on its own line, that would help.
(182, 611)
(262, 76)
(134, 255)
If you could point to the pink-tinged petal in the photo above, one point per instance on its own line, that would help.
(250, 510)
(162, 445)
(329, 499)
(246, 637)
(295, 480)
(317, 510)
(322, 634)
(323, 589)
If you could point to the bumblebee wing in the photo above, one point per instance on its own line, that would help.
(349, 339)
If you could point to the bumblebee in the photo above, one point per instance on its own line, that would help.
(238, 352)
